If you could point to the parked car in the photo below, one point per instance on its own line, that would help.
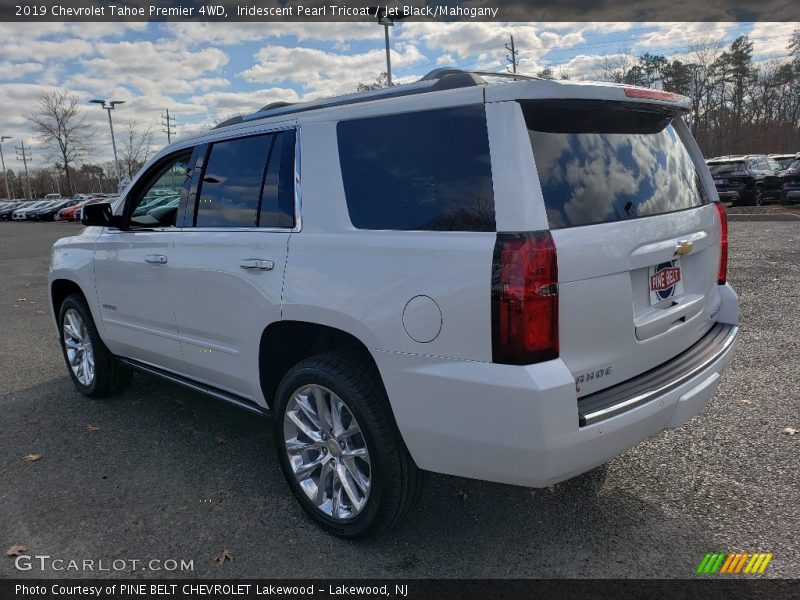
(49, 213)
(6, 211)
(785, 160)
(52, 197)
(791, 182)
(69, 213)
(438, 301)
(21, 214)
(748, 180)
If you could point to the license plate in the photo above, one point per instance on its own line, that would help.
(665, 281)
(720, 181)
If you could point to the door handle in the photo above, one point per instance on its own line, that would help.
(257, 264)
(155, 259)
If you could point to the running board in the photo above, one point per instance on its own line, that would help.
(208, 390)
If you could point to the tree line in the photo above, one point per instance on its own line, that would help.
(739, 106)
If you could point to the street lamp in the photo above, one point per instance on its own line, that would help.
(387, 19)
(109, 106)
(3, 164)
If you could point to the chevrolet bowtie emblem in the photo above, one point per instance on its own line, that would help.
(683, 248)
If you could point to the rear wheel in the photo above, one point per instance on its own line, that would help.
(339, 447)
(92, 367)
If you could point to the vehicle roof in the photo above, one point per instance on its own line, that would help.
(451, 85)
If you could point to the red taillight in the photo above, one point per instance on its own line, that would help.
(524, 298)
(651, 94)
(722, 276)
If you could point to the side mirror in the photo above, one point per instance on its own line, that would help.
(99, 215)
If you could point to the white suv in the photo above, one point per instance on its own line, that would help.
(513, 282)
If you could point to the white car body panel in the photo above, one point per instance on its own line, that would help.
(221, 347)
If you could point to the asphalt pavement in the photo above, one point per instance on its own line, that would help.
(161, 473)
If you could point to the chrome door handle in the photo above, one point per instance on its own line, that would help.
(257, 264)
(155, 259)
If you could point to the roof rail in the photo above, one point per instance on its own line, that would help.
(435, 81)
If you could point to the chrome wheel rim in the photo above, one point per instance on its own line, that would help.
(327, 452)
(78, 346)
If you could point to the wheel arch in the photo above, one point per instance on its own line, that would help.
(285, 343)
(59, 290)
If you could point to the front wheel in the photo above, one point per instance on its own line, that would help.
(758, 195)
(92, 367)
(339, 447)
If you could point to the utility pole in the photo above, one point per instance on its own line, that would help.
(169, 125)
(3, 163)
(512, 58)
(25, 156)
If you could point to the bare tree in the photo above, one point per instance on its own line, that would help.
(616, 67)
(381, 81)
(136, 147)
(62, 127)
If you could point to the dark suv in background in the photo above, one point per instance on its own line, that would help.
(791, 182)
(747, 179)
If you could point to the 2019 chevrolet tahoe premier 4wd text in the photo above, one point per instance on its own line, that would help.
(513, 282)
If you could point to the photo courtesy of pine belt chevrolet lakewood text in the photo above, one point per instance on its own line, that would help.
(512, 281)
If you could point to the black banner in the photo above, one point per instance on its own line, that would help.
(410, 10)
(130, 589)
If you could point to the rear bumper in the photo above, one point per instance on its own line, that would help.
(728, 196)
(791, 195)
(521, 425)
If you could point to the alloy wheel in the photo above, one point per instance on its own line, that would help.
(327, 452)
(78, 346)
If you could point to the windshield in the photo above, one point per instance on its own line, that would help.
(606, 162)
(785, 162)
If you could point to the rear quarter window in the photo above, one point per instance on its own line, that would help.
(426, 170)
(608, 162)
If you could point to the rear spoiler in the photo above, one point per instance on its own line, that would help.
(586, 90)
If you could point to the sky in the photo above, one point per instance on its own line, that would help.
(202, 72)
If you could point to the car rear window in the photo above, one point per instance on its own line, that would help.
(729, 167)
(606, 162)
(427, 170)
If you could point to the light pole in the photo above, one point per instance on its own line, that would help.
(109, 106)
(387, 19)
(3, 163)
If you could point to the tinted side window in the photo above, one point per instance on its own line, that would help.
(418, 171)
(156, 203)
(230, 188)
(277, 202)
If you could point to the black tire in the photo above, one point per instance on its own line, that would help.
(395, 479)
(758, 196)
(109, 374)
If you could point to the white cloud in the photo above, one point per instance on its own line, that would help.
(239, 33)
(316, 70)
(15, 70)
(44, 51)
(151, 68)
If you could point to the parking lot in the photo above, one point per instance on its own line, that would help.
(164, 473)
